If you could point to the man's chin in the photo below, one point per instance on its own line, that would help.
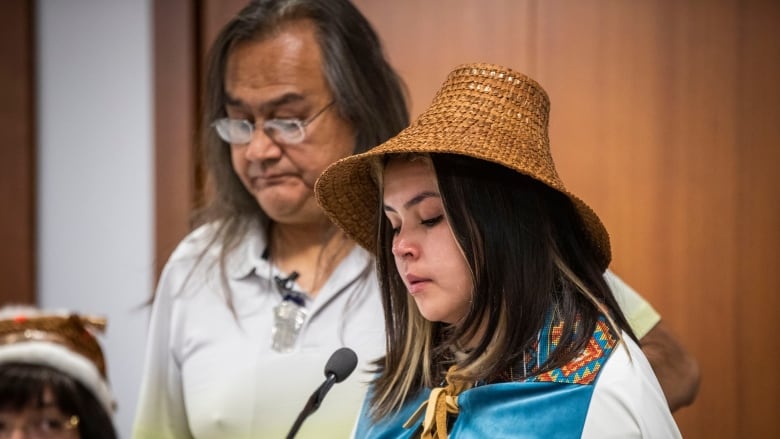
(292, 211)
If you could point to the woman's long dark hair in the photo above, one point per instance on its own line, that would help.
(23, 385)
(529, 256)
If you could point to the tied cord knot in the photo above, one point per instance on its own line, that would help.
(442, 402)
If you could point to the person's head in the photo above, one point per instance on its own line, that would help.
(466, 212)
(318, 62)
(52, 377)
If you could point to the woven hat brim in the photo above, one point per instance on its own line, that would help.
(348, 194)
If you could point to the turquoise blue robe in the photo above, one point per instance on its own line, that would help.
(550, 405)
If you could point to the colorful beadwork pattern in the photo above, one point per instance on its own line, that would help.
(583, 369)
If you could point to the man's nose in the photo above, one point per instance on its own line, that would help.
(262, 146)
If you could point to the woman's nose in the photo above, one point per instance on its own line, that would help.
(405, 246)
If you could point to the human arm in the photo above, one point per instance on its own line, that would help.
(676, 369)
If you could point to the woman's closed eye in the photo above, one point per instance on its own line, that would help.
(432, 221)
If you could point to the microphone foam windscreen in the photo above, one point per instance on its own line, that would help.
(341, 364)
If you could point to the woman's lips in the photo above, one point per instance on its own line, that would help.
(416, 284)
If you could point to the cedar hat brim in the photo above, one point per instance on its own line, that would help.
(484, 111)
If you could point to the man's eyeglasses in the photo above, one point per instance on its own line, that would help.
(284, 131)
(43, 427)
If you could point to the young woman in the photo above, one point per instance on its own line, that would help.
(52, 377)
(499, 321)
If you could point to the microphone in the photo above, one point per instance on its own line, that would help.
(339, 366)
(286, 283)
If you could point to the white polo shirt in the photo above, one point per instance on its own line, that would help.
(210, 374)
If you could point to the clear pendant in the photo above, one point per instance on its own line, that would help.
(289, 318)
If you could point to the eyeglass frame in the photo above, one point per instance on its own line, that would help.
(301, 124)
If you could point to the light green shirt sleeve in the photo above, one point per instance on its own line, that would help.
(640, 314)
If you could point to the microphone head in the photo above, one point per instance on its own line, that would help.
(341, 363)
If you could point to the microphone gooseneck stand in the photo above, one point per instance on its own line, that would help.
(313, 404)
(338, 368)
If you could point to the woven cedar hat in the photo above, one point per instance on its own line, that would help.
(483, 111)
(63, 341)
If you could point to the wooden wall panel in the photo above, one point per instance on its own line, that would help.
(651, 143)
(17, 153)
(425, 40)
(757, 214)
(662, 145)
(175, 108)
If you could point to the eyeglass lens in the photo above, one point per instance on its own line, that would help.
(286, 131)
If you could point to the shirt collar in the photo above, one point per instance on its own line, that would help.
(247, 257)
